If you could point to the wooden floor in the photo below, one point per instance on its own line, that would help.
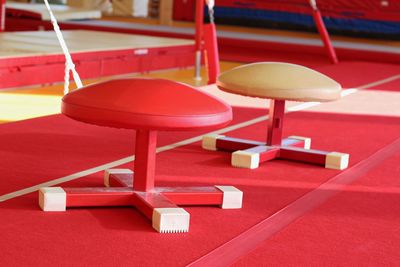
(37, 43)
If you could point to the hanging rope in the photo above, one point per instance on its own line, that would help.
(69, 64)
(323, 32)
(211, 45)
(211, 4)
(313, 4)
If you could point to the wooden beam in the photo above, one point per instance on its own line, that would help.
(165, 12)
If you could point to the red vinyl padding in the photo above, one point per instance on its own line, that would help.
(152, 104)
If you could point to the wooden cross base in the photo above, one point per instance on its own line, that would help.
(160, 205)
(123, 188)
(249, 154)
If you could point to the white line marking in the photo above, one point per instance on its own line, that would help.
(66, 178)
(302, 106)
(380, 82)
(348, 92)
(181, 143)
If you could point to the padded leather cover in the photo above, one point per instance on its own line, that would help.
(284, 81)
(152, 104)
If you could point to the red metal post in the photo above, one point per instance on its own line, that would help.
(2, 14)
(199, 18)
(145, 160)
(275, 122)
(211, 49)
(324, 36)
(199, 24)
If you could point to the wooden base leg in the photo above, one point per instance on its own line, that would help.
(252, 157)
(170, 220)
(166, 217)
(58, 199)
(331, 160)
(337, 161)
(220, 142)
(99, 197)
(52, 199)
(118, 178)
(297, 141)
(227, 197)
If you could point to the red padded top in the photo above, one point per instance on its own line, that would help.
(151, 104)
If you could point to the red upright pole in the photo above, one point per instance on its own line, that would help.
(2, 15)
(211, 50)
(275, 122)
(199, 17)
(145, 160)
(323, 33)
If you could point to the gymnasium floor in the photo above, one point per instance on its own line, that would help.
(293, 214)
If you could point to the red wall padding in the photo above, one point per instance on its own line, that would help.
(184, 10)
(385, 10)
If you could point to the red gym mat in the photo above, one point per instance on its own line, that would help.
(357, 227)
(121, 236)
(39, 150)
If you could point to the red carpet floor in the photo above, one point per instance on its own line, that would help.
(358, 227)
(361, 222)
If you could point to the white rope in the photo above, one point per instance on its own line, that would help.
(313, 4)
(211, 4)
(69, 64)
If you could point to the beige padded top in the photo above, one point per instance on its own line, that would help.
(282, 81)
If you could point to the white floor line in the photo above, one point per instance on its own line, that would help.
(77, 175)
(380, 82)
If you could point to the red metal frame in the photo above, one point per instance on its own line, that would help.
(275, 146)
(324, 35)
(199, 19)
(211, 52)
(29, 70)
